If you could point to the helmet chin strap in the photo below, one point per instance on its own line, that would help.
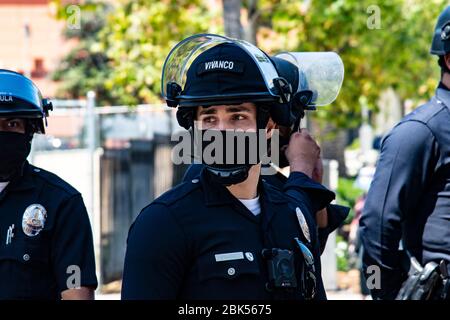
(229, 176)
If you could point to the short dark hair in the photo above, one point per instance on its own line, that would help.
(443, 65)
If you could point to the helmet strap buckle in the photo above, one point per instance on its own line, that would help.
(284, 89)
(445, 33)
(47, 106)
(173, 91)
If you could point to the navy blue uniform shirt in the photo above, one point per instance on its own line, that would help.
(410, 194)
(38, 265)
(319, 197)
(174, 242)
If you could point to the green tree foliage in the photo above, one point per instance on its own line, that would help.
(377, 54)
(122, 46)
(84, 68)
(137, 37)
(128, 52)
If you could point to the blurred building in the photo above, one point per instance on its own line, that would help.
(32, 40)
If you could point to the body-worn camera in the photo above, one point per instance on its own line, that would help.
(281, 268)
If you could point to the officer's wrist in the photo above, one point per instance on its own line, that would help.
(308, 170)
(322, 218)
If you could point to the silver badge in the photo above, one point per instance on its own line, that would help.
(33, 220)
(303, 224)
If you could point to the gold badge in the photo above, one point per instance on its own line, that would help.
(303, 224)
(33, 220)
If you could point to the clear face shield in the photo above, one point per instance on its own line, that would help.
(184, 53)
(320, 72)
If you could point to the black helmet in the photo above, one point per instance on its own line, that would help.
(222, 75)
(205, 70)
(19, 97)
(441, 39)
(208, 69)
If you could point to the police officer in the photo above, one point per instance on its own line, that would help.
(408, 204)
(227, 234)
(46, 248)
(327, 219)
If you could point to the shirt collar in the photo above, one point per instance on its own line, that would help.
(443, 94)
(214, 193)
(217, 194)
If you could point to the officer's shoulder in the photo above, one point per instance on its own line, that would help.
(275, 191)
(424, 113)
(53, 181)
(178, 193)
(269, 184)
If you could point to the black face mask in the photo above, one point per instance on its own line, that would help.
(244, 149)
(14, 150)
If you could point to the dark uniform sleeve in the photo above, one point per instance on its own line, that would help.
(156, 257)
(336, 216)
(299, 186)
(72, 246)
(398, 183)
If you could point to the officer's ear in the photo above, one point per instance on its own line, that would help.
(271, 125)
(447, 60)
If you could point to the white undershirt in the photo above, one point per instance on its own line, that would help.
(252, 204)
(3, 185)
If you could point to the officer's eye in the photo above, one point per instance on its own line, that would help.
(238, 117)
(209, 119)
(14, 124)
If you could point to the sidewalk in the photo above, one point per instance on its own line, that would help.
(332, 295)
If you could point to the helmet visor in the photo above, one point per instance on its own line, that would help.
(320, 72)
(184, 53)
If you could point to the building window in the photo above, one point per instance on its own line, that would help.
(38, 68)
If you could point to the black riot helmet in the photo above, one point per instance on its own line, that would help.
(20, 98)
(441, 38)
(205, 70)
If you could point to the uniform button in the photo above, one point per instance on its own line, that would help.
(37, 170)
(194, 180)
(249, 256)
(231, 271)
(26, 257)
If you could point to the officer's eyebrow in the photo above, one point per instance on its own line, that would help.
(207, 111)
(10, 119)
(239, 108)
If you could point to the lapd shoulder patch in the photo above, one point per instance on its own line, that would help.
(303, 224)
(33, 220)
(222, 65)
